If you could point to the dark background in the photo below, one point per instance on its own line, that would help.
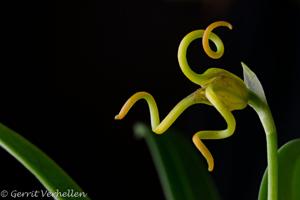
(67, 68)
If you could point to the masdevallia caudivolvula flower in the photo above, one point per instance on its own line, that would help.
(218, 87)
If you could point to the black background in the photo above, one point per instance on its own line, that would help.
(67, 68)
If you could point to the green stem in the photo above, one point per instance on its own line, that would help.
(265, 115)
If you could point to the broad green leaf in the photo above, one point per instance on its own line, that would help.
(180, 167)
(288, 173)
(253, 83)
(39, 164)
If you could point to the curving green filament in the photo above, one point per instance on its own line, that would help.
(199, 79)
(206, 36)
(214, 134)
(157, 126)
(219, 88)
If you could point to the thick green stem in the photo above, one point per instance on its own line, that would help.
(265, 115)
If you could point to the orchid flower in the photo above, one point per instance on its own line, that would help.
(218, 87)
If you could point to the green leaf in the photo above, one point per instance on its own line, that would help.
(180, 166)
(288, 173)
(252, 83)
(39, 164)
